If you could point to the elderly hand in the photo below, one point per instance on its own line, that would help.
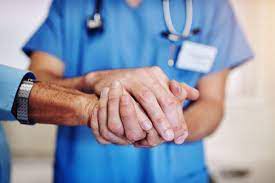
(150, 88)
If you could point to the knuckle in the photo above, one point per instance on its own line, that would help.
(126, 104)
(115, 127)
(113, 100)
(102, 113)
(146, 96)
(126, 109)
(131, 136)
(125, 116)
(157, 115)
(161, 122)
(102, 106)
(155, 85)
(112, 110)
(104, 133)
(170, 102)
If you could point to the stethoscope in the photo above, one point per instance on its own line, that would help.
(95, 24)
(172, 34)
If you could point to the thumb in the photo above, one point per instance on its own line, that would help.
(182, 91)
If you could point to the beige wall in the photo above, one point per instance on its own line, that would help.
(246, 134)
(247, 131)
(18, 19)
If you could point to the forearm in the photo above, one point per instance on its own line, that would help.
(52, 104)
(75, 83)
(202, 118)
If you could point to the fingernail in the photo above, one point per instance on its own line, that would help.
(104, 92)
(178, 88)
(115, 84)
(184, 93)
(147, 125)
(181, 139)
(169, 135)
(196, 93)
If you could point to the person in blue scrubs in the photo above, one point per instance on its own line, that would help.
(62, 50)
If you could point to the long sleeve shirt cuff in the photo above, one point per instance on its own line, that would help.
(10, 79)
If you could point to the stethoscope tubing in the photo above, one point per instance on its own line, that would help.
(172, 34)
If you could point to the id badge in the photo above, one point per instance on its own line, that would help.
(196, 57)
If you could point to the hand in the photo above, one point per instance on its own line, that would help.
(149, 87)
(115, 112)
(178, 90)
(121, 107)
(114, 105)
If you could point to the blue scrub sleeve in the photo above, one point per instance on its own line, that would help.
(48, 37)
(10, 80)
(226, 35)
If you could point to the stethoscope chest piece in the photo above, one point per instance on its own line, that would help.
(94, 23)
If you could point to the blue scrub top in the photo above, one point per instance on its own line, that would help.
(132, 39)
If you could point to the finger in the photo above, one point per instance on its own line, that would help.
(142, 144)
(168, 104)
(153, 137)
(150, 104)
(102, 118)
(192, 93)
(177, 90)
(144, 121)
(114, 121)
(147, 143)
(95, 128)
(165, 96)
(182, 133)
(133, 130)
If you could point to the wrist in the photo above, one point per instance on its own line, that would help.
(22, 102)
(90, 80)
(52, 104)
(84, 108)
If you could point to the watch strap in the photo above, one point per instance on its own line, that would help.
(22, 100)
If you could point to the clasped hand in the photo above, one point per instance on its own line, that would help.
(138, 106)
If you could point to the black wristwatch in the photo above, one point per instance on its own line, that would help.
(22, 102)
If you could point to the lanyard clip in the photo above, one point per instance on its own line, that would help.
(177, 37)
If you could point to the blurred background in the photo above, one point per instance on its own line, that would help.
(242, 150)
